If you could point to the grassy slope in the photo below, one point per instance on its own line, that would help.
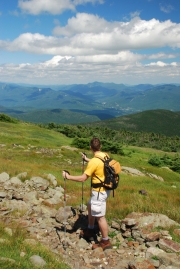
(157, 121)
(22, 141)
(14, 245)
(19, 144)
(59, 116)
(33, 154)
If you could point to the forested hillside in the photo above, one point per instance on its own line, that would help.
(113, 140)
(160, 121)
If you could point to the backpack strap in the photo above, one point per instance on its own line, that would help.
(101, 158)
(98, 185)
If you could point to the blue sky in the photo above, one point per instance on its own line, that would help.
(82, 41)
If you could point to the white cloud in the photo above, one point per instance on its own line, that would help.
(166, 8)
(36, 7)
(82, 23)
(174, 64)
(120, 58)
(159, 63)
(89, 48)
(162, 64)
(122, 68)
(91, 35)
(135, 14)
(162, 55)
(55, 61)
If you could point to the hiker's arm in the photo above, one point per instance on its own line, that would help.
(85, 158)
(81, 178)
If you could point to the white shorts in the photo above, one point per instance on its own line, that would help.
(98, 204)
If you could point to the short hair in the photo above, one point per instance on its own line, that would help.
(95, 144)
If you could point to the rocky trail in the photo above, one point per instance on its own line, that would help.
(136, 244)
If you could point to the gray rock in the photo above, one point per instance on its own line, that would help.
(31, 197)
(16, 205)
(22, 175)
(168, 259)
(155, 177)
(153, 219)
(52, 179)
(3, 194)
(39, 183)
(115, 225)
(63, 214)
(132, 171)
(15, 181)
(59, 230)
(169, 245)
(37, 261)
(82, 244)
(4, 177)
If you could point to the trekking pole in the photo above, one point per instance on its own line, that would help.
(83, 184)
(65, 209)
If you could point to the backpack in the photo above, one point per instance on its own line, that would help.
(112, 168)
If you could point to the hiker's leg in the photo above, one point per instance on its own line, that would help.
(91, 219)
(105, 242)
(97, 208)
(103, 226)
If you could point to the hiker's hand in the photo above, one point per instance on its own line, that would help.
(65, 174)
(84, 157)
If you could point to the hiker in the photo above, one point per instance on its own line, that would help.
(97, 201)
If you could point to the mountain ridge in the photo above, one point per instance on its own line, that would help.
(123, 99)
(154, 121)
(92, 102)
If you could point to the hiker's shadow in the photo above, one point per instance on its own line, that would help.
(79, 221)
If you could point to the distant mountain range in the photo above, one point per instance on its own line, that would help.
(85, 103)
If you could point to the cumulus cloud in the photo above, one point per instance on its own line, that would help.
(88, 34)
(162, 55)
(162, 64)
(82, 23)
(120, 58)
(89, 48)
(55, 61)
(66, 69)
(159, 63)
(36, 7)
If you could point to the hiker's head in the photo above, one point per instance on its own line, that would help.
(95, 144)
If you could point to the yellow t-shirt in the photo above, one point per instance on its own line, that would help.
(95, 168)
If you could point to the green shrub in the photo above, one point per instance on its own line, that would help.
(155, 161)
(113, 147)
(6, 118)
(176, 164)
(81, 143)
